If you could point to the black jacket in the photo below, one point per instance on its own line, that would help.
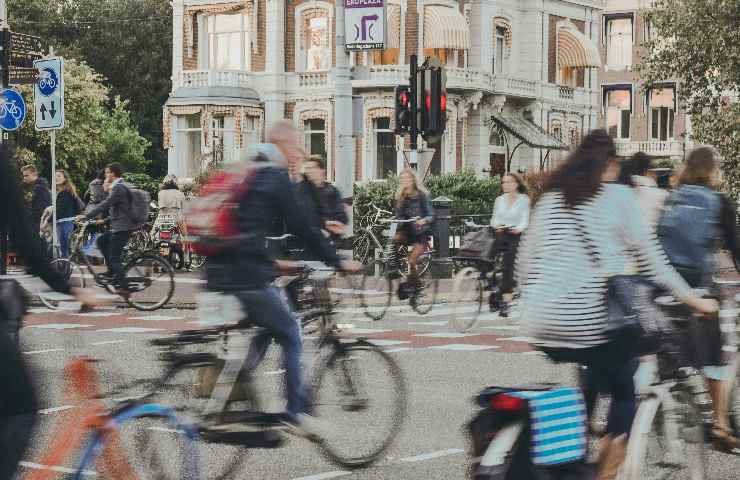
(40, 200)
(331, 206)
(68, 205)
(269, 201)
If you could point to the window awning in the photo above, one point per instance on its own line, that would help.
(445, 27)
(528, 132)
(393, 25)
(576, 49)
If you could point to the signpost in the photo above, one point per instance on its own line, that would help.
(364, 23)
(19, 53)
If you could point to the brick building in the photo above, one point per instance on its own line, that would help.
(521, 81)
(638, 119)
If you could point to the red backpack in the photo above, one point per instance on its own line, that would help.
(210, 218)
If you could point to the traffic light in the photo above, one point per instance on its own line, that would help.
(403, 110)
(433, 103)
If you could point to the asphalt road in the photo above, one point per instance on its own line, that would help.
(442, 369)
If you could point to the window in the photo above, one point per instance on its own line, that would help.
(228, 42)
(315, 136)
(496, 138)
(619, 43)
(648, 34)
(662, 113)
(189, 144)
(556, 130)
(316, 44)
(574, 135)
(250, 135)
(385, 148)
(498, 53)
(618, 112)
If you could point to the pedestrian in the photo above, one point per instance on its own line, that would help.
(69, 206)
(584, 231)
(510, 219)
(41, 196)
(636, 173)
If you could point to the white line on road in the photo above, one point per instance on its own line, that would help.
(60, 326)
(37, 466)
(446, 335)
(387, 343)
(130, 330)
(49, 411)
(275, 372)
(48, 350)
(431, 455)
(323, 476)
(107, 342)
(463, 347)
(399, 349)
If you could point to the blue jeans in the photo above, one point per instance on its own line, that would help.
(267, 308)
(64, 232)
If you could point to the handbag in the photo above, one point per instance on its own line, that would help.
(477, 244)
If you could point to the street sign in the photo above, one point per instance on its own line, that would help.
(22, 59)
(48, 94)
(364, 24)
(12, 109)
(21, 42)
(21, 76)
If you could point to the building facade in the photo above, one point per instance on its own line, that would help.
(521, 81)
(639, 119)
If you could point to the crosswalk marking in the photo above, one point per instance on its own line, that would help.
(130, 330)
(464, 347)
(60, 326)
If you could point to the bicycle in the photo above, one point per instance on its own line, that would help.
(144, 291)
(673, 420)
(218, 391)
(382, 278)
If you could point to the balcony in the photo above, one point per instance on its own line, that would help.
(655, 148)
(374, 76)
(469, 79)
(515, 87)
(214, 78)
(312, 79)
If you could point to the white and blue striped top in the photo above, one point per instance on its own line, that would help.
(562, 275)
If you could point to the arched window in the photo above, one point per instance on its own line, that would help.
(314, 49)
(556, 129)
(502, 41)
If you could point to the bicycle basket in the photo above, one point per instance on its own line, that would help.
(476, 244)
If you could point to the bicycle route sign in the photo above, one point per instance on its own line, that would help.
(12, 109)
(364, 23)
(48, 94)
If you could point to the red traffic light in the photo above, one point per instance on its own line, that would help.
(443, 102)
(403, 98)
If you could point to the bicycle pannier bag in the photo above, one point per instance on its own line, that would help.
(477, 244)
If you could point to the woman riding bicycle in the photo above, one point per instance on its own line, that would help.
(510, 218)
(583, 231)
(412, 203)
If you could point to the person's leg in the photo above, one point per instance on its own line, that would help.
(103, 242)
(416, 250)
(15, 435)
(64, 231)
(117, 244)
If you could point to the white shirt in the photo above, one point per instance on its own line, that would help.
(515, 215)
(651, 198)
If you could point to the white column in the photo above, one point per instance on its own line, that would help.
(477, 153)
(479, 54)
(275, 62)
(344, 158)
(178, 11)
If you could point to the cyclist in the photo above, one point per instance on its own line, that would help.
(18, 400)
(328, 198)
(510, 218)
(692, 252)
(247, 269)
(412, 202)
(583, 230)
(41, 196)
(118, 204)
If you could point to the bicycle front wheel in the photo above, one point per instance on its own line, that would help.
(376, 290)
(360, 401)
(426, 293)
(150, 282)
(467, 299)
(76, 278)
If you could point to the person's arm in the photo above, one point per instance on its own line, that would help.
(114, 197)
(523, 214)
(339, 213)
(497, 205)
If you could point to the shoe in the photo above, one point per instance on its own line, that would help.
(504, 311)
(723, 440)
(301, 425)
(612, 457)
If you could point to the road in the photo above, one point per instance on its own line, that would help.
(443, 370)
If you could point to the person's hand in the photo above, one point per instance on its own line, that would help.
(100, 222)
(516, 231)
(88, 297)
(706, 306)
(80, 218)
(350, 266)
(421, 222)
(337, 228)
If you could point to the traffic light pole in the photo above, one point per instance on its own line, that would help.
(413, 87)
(4, 81)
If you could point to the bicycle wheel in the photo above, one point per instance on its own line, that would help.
(358, 385)
(76, 278)
(151, 282)
(467, 299)
(666, 445)
(376, 290)
(425, 296)
(361, 249)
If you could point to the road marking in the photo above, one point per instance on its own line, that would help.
(275, 372)
(517, 339)
(96, 314)
(107, 342)
(48, 350)
(49, 411)
(431, 455)
(37, 466)
(41, 310)
(130, 330)
(162, 429)
(367, 331)
(464, 347)
(502, 327)
(387, 343)
(196, 281)
(60, 326)
(446, 335)
(323, 476)
(154, 318)
(397, 350)
(429, 324)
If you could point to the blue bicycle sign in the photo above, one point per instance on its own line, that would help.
(12, 109)
(48, 81)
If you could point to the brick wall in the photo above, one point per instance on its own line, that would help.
(258, 59)
(412, 30)
(358, 158)
(190, 62)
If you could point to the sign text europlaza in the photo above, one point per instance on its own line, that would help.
(364, 24)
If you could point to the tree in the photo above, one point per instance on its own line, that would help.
(129, 42)
(697, 42)
(94, 134)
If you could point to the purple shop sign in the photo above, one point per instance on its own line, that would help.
(363, 3)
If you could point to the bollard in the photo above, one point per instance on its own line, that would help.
(442, 263)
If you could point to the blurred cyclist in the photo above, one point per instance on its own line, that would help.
(331, 208)
(247, 270)
(412, 202)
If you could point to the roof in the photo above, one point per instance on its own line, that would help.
(527, 131)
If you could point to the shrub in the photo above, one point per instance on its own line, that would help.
(144, 182)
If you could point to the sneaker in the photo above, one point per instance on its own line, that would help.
(301, 425)
(504, 312)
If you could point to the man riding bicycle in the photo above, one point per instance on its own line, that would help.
(247, 270)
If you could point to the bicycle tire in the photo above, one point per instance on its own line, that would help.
(145, 293)
(376, 290)
(76, 278)
(361, 249)
(467, 299)
(350, 409)
(423, 300)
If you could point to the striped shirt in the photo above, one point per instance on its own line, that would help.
(567, 255)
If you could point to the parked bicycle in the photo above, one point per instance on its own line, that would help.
(150, 279)
(388, 275)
